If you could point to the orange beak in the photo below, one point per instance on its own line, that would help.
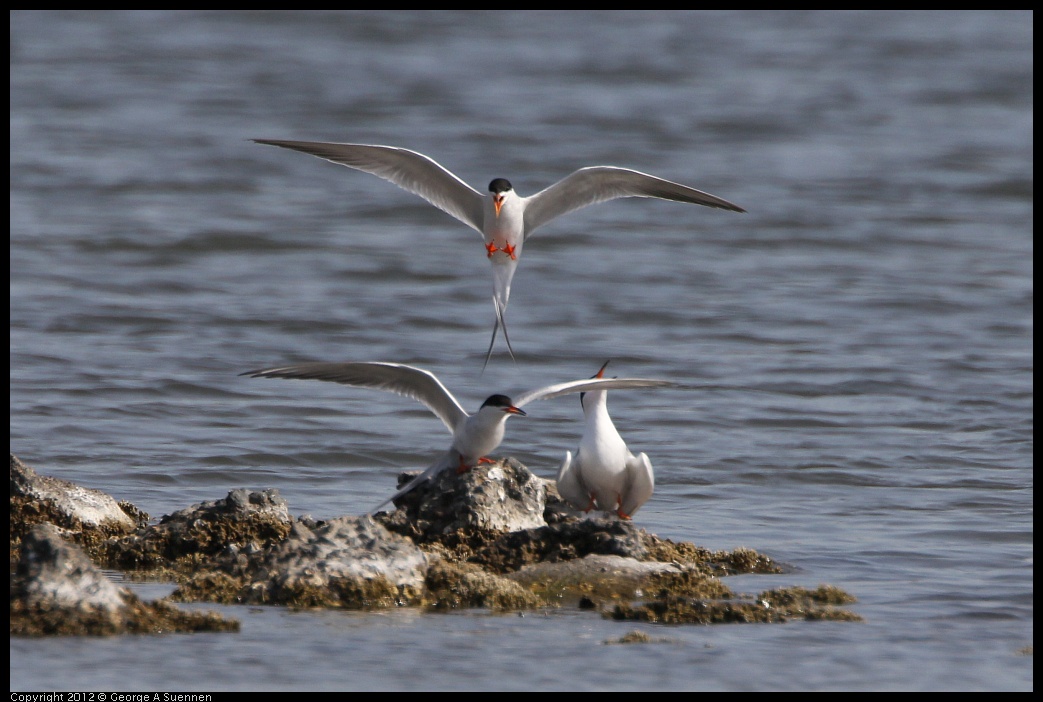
(498, 203)
(601, 372)
(514, 410)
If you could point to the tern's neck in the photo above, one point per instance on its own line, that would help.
(481, 433)
(595, 406)
(483, 430)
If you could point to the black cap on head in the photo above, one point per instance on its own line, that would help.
(503, 402)
(497, 401)
(500, 185)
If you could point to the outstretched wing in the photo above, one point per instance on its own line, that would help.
(407, 169)
(589, 186)
(573, 386)
(400, 379)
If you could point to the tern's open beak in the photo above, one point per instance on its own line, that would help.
(498, 202)
(514, 410)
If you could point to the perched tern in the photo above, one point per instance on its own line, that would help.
(604, 474)
(474, 435)
(504, 218)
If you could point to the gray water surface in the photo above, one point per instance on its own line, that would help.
(855, 351)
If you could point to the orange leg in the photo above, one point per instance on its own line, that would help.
(619, 508)
(463, 467)
(507, 248)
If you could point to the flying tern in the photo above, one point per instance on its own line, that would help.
(504, 218)
(474, 435)
(604, 474)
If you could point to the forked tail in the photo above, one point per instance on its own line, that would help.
(499, 324)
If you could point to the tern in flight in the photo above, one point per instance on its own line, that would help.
(604, 474)
(504, 218)
(474, 435)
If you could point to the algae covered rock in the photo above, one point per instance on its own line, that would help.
(496, 537)
(349, 562)
(56, 590)
(770, 606)
(241, 519)
(499, 497)
(87, 516)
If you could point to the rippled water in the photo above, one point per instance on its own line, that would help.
(856, 350)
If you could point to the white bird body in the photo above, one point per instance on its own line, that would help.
(604, 475)
(503, 218)
(474, 435)
(480, 434)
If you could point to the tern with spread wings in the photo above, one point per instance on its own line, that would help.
(474, 435)
(503, 218)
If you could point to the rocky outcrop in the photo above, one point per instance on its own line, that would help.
(499, 497)
(496, 537)
(86, 516)
(56, 589)
(240, 520)
(350, 562)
